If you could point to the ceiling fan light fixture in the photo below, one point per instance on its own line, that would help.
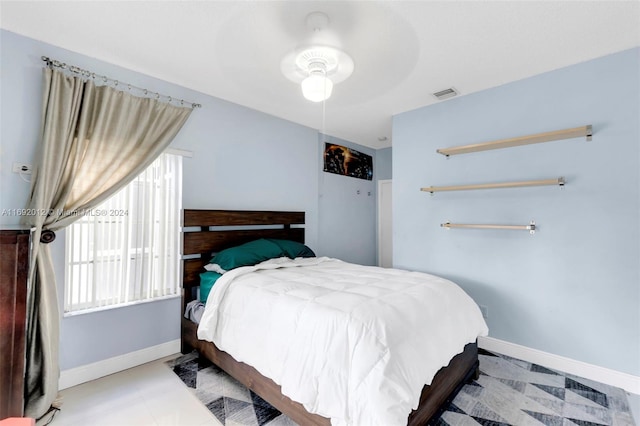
(317, 67)
(320, 67)
(317, 87)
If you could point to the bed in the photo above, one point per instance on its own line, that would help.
(210, 231)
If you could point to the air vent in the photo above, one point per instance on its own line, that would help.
(445, 94)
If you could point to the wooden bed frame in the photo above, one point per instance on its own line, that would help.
(209, 231)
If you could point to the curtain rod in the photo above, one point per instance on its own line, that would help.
(92, 75)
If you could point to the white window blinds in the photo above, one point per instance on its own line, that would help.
(127, 250)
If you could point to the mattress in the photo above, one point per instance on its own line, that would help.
(349, 342)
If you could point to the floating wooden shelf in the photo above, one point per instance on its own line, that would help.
(531, 227)
(558, 181)
(519, 141)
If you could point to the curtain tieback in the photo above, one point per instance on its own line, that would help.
(47, 236)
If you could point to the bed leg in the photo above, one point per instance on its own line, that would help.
(476, 372)
(185, 348)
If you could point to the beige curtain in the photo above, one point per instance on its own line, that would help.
(95, 140)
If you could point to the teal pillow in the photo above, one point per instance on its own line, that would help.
(247, 254)
(207, 280)
(293, 249)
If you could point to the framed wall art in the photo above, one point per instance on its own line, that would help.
(345, 161)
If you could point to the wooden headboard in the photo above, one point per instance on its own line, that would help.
(208, 231)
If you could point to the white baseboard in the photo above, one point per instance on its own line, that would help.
(628, 382)
(86, 373)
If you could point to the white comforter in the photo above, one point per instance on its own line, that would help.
(352, 343)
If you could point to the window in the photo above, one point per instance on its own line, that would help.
(127, 250)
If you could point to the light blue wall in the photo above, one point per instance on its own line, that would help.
(347, 209)
(242, 159)
(573, 288)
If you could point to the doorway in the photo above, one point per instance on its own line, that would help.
(385, 235)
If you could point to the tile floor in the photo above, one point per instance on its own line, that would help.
(149, 395)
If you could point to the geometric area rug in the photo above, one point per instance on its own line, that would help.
(229, 401)
(509, 391)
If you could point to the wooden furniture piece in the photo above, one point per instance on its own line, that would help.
(202, 237)
(14, 270)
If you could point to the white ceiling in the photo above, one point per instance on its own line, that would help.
(403, 50)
